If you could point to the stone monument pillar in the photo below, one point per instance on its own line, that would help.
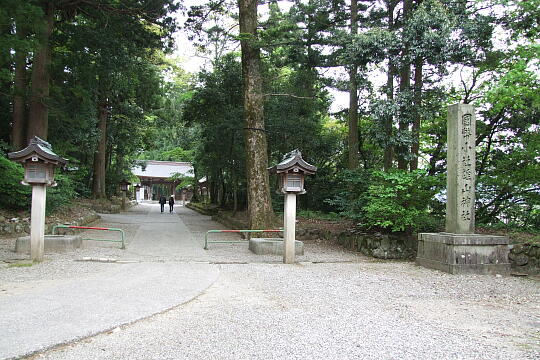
(459, 250)
(461, 157)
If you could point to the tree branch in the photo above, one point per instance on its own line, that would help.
(290, 95)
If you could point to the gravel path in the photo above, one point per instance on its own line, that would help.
(334, 304)
(335, 311)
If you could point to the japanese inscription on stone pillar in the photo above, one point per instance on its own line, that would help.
(461, 169)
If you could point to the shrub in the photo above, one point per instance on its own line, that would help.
(350, 200)
(13, 195)
(60, 195)
(399, 201)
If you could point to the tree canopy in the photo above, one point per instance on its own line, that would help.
(100, 81)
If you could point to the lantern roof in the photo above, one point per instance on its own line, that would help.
(40, 148)
(124, 182)
(291, 161)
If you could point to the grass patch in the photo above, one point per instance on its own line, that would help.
(525, 238)
(517, 236)
(20, 265)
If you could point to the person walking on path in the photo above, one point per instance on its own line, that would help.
(162, 202)
(171, 203)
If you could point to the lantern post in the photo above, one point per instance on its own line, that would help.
(39, 163)
(291, 172)
(124, 185)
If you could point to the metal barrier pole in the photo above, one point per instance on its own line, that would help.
(206, 242)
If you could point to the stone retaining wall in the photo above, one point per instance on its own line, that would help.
(525, 258)
(394, 246)
(23, 227)
(19, 227)
(230, 222)
(202, 208)
(113, 207)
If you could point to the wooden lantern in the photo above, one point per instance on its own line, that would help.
(39, 162)
(124, 184)
(291, 171)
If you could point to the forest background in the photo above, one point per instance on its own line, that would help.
(97, 80)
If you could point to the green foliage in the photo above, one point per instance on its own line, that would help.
(176, 154)
(508, 184)
(13, 195)
(399, 200)
(114, 52)
(393, 201)
(17, 17)
(216, 110)
(351, 187)
(319, 215)
(184, 181)
(523, 18)
(60, 195)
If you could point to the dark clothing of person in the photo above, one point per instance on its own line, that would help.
(171, 204)
(162, 202)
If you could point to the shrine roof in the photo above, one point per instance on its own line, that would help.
(162, 169)
(293, 160)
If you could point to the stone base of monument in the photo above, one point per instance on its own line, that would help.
(52, 243)
(264, 246)
(463, 253)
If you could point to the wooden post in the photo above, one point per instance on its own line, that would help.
(37, 222)
(123, 200)
(289, 229)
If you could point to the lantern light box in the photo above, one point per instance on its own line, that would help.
(124, 185)
(291, 171)
(39, 162)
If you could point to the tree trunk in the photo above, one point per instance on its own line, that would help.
(311, 63)
(353, 97)
(196, 187)
(119, 167)
(223, 191)
(260, 211)
(418, 82)
(389, 121)
(98, 189)
(404, 87)
(211, 189)
(18, 127)
(39, 93)
(235, 197)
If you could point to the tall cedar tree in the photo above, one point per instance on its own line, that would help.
(260, 210)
